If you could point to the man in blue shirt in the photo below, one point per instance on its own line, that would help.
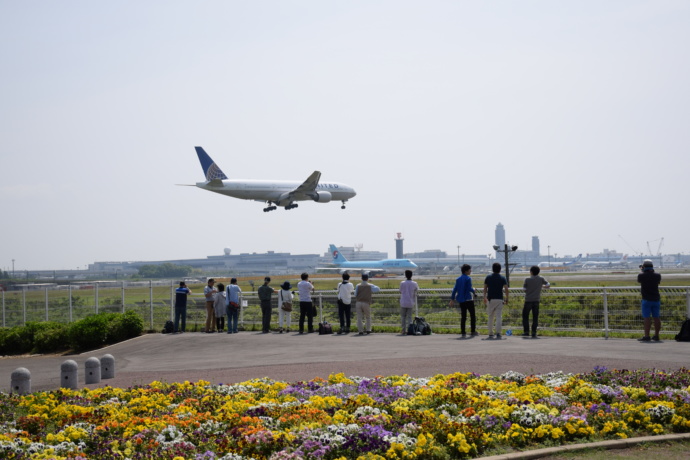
(495, 285)
(463, 294)
(181, 294)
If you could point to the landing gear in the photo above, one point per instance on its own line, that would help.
(290, 206)
(270, 208)
(343, 206)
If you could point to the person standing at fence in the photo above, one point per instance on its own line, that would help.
(463, 294)
(651, 300)
(284, 307)
(363, 298)
(532, 286)
(345, 292)
(265, 292)
(408, 296)
(209, 293)
(181, 294)
(232, 297)
(306, 308)
(219, 307)
(495, 285)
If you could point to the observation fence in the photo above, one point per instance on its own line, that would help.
(574, 309)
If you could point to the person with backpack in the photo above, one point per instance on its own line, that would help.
(651, 300)
(265, 292)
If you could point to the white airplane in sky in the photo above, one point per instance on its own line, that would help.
(275, 193)
(368, 266)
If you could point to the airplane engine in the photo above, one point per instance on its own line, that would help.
(321, 196)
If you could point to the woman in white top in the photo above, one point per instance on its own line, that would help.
(284, 317)
(219, 307)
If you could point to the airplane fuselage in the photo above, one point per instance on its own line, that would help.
(378, 264)
(276, 191)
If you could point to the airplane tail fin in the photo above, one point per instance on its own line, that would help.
(211, 169)
(337, 256)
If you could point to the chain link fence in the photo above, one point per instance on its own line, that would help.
(584, 309)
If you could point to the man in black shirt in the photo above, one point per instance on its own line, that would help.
(651, 300)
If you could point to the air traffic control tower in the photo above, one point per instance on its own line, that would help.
(399, 246)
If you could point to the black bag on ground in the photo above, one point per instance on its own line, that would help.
(325, 328)
(169, 327)
(419, 326)
(684, 334)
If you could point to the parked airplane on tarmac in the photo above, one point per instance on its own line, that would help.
(275, 193)
(623, 262)
(556, 266)
(368, 266)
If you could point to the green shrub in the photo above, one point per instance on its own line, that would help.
(90, 332)
(124, 326)
(51, 339)
(15, 341)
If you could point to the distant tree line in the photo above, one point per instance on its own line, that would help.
(166, 270)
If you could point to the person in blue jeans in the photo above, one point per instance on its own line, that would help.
(232, 297)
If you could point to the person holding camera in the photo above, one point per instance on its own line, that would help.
(651, 300)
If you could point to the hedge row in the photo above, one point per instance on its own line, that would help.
(87, 334)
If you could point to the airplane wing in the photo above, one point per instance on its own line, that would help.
(307, 187)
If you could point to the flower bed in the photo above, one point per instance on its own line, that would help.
(445, 416)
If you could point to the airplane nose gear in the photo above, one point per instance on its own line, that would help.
(343, 206)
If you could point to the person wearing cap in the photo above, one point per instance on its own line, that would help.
(306, 308)
(265, 292)
(284, 316)
(181, 294)
(651, 300)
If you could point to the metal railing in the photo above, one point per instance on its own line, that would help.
(587, 309)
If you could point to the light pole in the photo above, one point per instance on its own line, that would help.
(507, 250)
(458, 256)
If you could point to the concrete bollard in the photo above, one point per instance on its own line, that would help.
(69, 375)
(93, 370)
(21, 381)
(107, 367)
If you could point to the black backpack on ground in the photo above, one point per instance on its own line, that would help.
(325, 328)
(684, 334)
(419, 326)
(169, 327)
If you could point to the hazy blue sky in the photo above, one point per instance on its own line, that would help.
(566, 120)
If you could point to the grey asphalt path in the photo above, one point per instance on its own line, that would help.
(224, 358)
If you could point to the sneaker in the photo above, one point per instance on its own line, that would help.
(655, 338)
(368, 332)
(498, 336)
(280, 331)
(360, 333)
(525, 334)
(534, 336)
(463, 335)
(491, 337)
(340, 332)
(646, 338)
(474, 334)
(301, 332)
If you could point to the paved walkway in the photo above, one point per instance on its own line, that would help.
(223, 358)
